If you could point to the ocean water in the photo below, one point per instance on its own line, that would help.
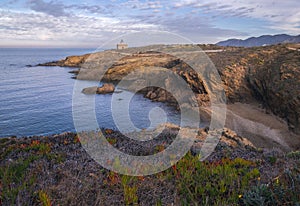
(38, 100)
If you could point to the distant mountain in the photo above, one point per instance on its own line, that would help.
(260, 41)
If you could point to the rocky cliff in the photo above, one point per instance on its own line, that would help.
(266, 75)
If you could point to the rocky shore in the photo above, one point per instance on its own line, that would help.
(104, 89)
(256, 161)
(265, 77)
(56, 170)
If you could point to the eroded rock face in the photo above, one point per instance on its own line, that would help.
(71, 61)
(266, 75)
(276, 84)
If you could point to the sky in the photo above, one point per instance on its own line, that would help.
(92, 23)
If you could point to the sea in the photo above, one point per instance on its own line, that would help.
(38, 100)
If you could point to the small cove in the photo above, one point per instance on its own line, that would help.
(38, 100)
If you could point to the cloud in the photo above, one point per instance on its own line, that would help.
(282, 15)
(51, 8)
(92, 9)
(148, 5)
(73, 23)
(201, 31)
(196, 27)
(83, 30)
(202, 21)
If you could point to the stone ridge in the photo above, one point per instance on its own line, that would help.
(266, 75)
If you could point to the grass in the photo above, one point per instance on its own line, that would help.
(44, 198)
(40, 148)
(112, 141)
(130, 188)
(283, 190)
(198, 183)
(12, 178)
(294, 155)
(219, 183)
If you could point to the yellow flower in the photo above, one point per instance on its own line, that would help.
(277, 180)
(240, 196)
(258, 178)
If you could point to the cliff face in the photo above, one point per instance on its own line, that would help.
(276, 83)
(266, 75)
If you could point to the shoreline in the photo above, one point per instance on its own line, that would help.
(243, 95)
(240, 83)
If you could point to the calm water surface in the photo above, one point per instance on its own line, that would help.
(38, 100)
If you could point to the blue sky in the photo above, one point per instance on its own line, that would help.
(90, 23)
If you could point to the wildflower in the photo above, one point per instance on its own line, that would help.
(108, 131)
(23, 146)
(174, 167)
(277, 180)
(258, 178)
(35, 142)
(141, 178)
(76, 139)
(240, 196)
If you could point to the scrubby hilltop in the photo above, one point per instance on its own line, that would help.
(261, 41)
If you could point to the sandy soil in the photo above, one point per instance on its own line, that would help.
(262, 129)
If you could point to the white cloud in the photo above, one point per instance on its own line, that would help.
(51, 8)
(54, 22)
(80, 30)
(282, 15)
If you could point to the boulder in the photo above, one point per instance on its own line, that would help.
(106, 89)
(90, 90)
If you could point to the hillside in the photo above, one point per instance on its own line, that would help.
(253, 169)
(261, 41)
(268, 76)
(56, 170)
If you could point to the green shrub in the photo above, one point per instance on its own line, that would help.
(283, 190)
(12, 178)
(294, 155)
(259, 195)
(44, 198)
(272, 160)
(218, 183)
(130, 190)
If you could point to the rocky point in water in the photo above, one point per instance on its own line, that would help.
(106, 88)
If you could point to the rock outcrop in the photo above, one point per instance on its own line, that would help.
(266, 75)
(104, 89)
(71, 61)
(90, 90)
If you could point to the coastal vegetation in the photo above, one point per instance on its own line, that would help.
(57, 171)
(261, 167)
